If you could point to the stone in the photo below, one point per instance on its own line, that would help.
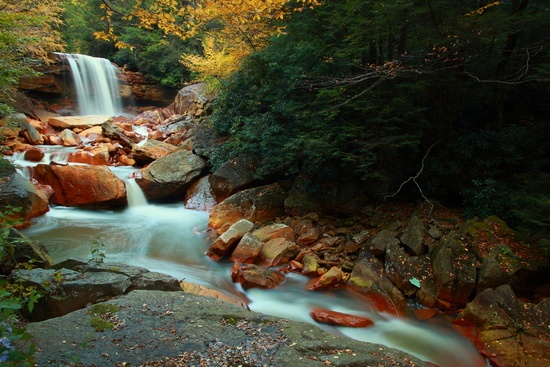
(198, 196)
(413, 236)
(369, 278)
(227, 241)
(339, 319)
(381, 241)
(151, 151)
(70, 138)
(407, 272)
(193, 100)
(81, 122)
(171, 175)
(309, 236)
(253, 276)
(332, 279)
(278, 251)
(275, 230)
(95, 155)
(82, 185)
(30, 132)
(247, 250)
(18, 192)
(455, 273)
(260, 204)
(509, 332)
(25, 251)
(34, 155)
(232, 176)
(310, 264)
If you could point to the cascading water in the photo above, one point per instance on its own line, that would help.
(96, 85)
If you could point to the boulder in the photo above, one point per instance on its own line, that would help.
(93, 155)
(369, 278)
(151, 151)
(383, 239)
(310, 263)
(31, 134)
(413, 236)
(82, 185)
(509, 332)
(275, 230)
(228, 240)
(332, 279)
(70, 138)
(81, 122)
(247, 250)
(199, 197)
(170, 176)
(235, 175)
(252, 276)
(455, 273)
(34, 154)
(278, 251)
(117, 133)
(193, 100)
(18, 192)
(259, 204)
(407, 272)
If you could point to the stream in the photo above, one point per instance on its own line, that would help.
(170, 239)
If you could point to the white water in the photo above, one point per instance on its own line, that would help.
(96, 85)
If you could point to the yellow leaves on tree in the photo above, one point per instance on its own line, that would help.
(230, 30)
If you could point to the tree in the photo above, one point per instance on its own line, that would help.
(28, 32)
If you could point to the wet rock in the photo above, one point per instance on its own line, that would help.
(275, 230)
(18, 192)
(332, 279)
(92, 155)
(381, 241)
(82, 185)
(413, 236)
(455, 273)
(69, 138)
(72, 122)
(199, 197)
(116, 133)
(31, 134)
(309, 237)
(253, 276)
(278, 251)
(170, 176)
(34, 155)
(227, 241)
(509, 332)
(310, 264)
(25, 250)
(407, 272)
(151, 151)
(247, 250)
(237, 174)
(369, 278)
(260, 204)
(339, 319)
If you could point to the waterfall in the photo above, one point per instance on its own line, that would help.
(96, 85)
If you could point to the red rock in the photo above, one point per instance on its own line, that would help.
(34, 155)
(275, 230)
(330, 280)
(98, 155)
(309, 236)
(340, 319)
(277, 251)
(252, 276)
(199, 197)
(228, 240)
(82, 185)
(425, 313)
(247, 250)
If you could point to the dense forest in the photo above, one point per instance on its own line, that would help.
(412, 99)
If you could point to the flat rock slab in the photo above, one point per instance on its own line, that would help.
(155, 328)
(83, 122)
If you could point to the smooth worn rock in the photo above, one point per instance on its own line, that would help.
(96, 155)
(151, 151)
(30, 132)
(34, 155)
(261, 204)
(339, 318)
(82, 185)
(177, 328)
(18, 192)
(278, 251)
(170, 175)
(70, 138)
(228, 240)
(253, 276)
(72, 122)
(247, 250)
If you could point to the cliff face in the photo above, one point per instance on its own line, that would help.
(55, 81)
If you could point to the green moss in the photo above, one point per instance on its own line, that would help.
(231, 319)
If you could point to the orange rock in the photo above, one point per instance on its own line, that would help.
(330, 280)
(253, 276)
(340, 319)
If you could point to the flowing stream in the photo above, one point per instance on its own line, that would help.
(170, 239)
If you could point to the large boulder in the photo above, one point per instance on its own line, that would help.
(170, 176)
(81, 122)
(18, 192)
(509, 332)
(193, 100)
(82, 185)
(234, 175)
(151, 151)
(259, 204)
